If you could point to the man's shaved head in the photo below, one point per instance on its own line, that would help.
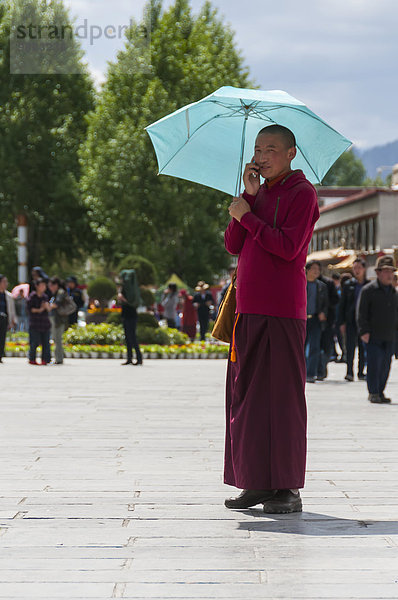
(283, 132)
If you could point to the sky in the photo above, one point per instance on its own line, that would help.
(340, 57)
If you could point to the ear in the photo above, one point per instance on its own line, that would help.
(292, 153)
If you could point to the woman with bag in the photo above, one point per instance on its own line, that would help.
(59, 309)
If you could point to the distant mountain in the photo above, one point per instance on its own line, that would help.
(379, 156)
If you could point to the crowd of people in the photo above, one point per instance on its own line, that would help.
(194, 309)
(45, 308)
(349, 312)
(345, 313)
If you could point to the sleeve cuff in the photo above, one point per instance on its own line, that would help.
(248, 221)
(249, 198)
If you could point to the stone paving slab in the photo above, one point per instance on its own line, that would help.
(111, 487)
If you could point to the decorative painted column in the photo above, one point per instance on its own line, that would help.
(22, 225)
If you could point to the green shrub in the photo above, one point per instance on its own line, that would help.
(114, 318)
(104, 333)
(147, 320)
(176, 337)
(149, 335)
(113, 335)
(147, 297)
(102, 289)
(144, 268)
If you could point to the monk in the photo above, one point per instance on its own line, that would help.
(266, 416)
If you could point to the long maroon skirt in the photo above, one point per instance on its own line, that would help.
(266, 415)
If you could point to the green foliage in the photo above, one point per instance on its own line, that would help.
(8, 249)
(42, 124)
(114, 318)
(147, 297)
(102, 289)
(94, 334)
(176, 224)
(149, 335)
(105, 333)
(378, 181)
(144, 268)
(346, 171)
(177, 337)
(147, 320)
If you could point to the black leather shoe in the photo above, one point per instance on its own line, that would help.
(284, 501)
(128, 362)
(248, 498)
(361, 377)
(138, 362)
(384, 399)
(379, 399)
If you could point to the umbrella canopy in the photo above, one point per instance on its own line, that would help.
(210, 141)
(15, 292)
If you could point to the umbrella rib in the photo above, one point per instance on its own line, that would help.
(306, 160)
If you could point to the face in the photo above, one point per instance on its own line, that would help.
(53, 287)
(3, 284)
(71, 285)
(385, 276)
(272, 155)
(313, 273)
(41, 288)
(358, 270)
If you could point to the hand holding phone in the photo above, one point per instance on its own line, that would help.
(251, 177)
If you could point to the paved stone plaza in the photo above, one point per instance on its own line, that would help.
(111, 487)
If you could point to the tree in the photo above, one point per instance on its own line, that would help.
(346, 171)
(42, 124)
(176, 224)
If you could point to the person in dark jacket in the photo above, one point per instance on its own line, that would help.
(202, 301)
(327, 335)
(337, 335)
(377, 324)
(317, 309)
(76, 294)
(129, 320)
(347, 319)
(39, 323)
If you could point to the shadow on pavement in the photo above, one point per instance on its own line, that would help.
(316, 524)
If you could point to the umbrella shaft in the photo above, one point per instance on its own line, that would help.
(242, 151)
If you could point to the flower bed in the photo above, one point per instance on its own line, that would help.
(200, 350)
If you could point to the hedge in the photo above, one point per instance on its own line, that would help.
(109, 334)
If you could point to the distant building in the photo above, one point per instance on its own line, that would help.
(364, 220)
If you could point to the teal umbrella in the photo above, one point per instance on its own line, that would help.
(211, 140)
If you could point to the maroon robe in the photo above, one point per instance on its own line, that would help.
(265, 443)
(266, 415)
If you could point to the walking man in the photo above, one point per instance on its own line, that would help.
(271, 227)
(317, 309)
(347, 319)
(377, 323)
(328, 326)
(202, 301)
